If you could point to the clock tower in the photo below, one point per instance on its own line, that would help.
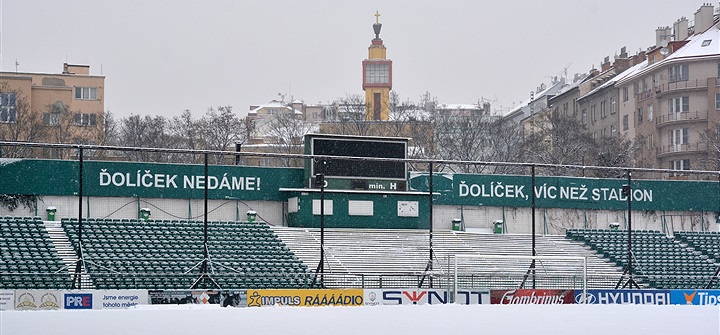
(377, 78)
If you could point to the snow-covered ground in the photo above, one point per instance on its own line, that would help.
(425, 319)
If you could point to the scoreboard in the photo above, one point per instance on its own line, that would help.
(358, 173)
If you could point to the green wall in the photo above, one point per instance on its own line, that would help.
(146, 180)
(151, 180)
(566, 192)
(385, 210)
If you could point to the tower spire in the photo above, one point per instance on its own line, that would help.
(377, 25)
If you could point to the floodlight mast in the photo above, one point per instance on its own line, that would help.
(627, 192)
(77, 277)
(320, 182)
(204, 276)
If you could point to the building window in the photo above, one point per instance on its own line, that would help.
(678, 73)
(613, 130)
(650, 142)
(625, 89)
(613, 105)
(706, 43)
(86, 93)
(678, 105)
(593, 115)
(640, 115)
(8, 107)
(626, 124)
(679, 136)
(650, 112)
(681, 164)
(717, 101)
(565, 108)
(603, 112)
(85, 120)
(584, 116)
(51, 119)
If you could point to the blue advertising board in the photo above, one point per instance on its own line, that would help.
(636, 297)
(695, 297)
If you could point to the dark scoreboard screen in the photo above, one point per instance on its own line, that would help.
(360, 148)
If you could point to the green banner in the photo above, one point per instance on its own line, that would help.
(146, 180)
(583, 193)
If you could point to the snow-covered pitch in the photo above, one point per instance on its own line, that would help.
(425, 319)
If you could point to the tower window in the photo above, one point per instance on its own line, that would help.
(377, 73)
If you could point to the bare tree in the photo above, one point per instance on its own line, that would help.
(506, 138)
(711, 138)
(347, 116)
(222, 129)
(464, 138)
(286, 135)
(146, 132)
(71, 127)
(558, 140)
(17, 122)
(611, 152)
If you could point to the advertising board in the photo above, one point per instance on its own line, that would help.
(622, 297)
(225, 298)
(695, 297)
(28, 300)
(119, 299)
(414, 296)
(407, 296)
(312, 297)
(532, 297)
(7, 300)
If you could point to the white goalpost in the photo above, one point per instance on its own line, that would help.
(515, 271)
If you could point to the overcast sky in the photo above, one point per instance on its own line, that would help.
(161, 57)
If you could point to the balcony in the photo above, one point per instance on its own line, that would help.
(644, 95)
(684, 85)
(686, 117)
(689, 148)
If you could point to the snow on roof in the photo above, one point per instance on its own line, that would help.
(553, 89)
(457, 106)
(615, 79)
(706, 44)
(274, 104)
(566, 88)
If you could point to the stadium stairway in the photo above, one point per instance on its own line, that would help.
(65, 251)
(376, 257)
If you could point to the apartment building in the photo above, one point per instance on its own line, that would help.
(65, 107)
(671, 104)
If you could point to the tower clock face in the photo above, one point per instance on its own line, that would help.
(377, 73)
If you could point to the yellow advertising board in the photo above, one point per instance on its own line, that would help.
(312, 297)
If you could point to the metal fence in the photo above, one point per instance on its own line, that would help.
(204, 209)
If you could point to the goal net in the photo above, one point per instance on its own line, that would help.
(497, 272)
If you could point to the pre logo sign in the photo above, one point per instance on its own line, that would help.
(78, 301)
